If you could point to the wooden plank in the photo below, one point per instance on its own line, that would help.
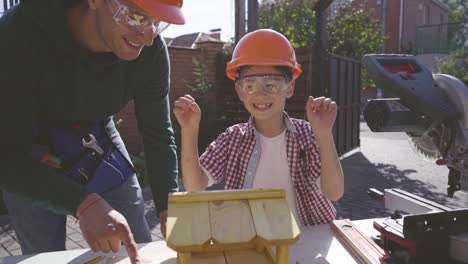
(273, 221)
(214, 246)
(282, 254)
(224, 195)
(246, 256)
(366, 250)
(231, 222)
(184, 258)
(188, 225)
(208, 258)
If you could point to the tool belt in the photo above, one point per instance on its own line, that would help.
(84, 153)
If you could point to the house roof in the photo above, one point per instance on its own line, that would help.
(441, 5)
(167, 39)
(186, 40)
(189, 40)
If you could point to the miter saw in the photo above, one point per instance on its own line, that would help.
(432, 109)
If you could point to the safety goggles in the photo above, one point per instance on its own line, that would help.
(270, 83)
(135, 20)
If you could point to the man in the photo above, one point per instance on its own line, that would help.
(66, 66)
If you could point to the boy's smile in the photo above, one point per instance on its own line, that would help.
(262, 107)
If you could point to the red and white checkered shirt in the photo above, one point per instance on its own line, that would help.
(228, 156)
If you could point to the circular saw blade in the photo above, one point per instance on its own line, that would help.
(425, 147)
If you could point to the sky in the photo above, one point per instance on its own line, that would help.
(203, 15)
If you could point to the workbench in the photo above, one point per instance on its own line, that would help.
(317, 245)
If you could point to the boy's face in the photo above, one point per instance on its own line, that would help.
(263, 90)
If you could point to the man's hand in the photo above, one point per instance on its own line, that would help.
(104, 228)
(321, 113)
(187, 112)
(163, 220)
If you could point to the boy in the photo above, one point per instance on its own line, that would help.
(272, 150)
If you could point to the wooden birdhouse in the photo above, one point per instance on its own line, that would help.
(231, 226)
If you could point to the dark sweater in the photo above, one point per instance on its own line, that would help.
(46, 77)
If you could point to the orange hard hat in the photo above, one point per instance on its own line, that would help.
(264, 47)
(169, 11)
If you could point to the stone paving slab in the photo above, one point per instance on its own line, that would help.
(384, 161)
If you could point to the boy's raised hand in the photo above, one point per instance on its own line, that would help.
(187, 112)
(321, 113)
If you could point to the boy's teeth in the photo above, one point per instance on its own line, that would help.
(262, 105)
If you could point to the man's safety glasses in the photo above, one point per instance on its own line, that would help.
(135, 20)
(270, 83)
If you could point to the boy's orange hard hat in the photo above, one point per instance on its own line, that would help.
(263, 47)
(169, 11)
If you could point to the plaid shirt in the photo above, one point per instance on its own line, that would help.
(229, 155)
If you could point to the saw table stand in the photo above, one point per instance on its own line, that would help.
(429, 232)
(235, 226)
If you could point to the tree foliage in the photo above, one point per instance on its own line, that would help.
(293, 18)
(456, 65)
(458, 28)
(351, 32)
(459, 10)
(354, 33)
(201, 85)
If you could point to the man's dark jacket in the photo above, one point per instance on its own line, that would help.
(46, 77)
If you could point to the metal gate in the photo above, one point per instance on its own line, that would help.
(344, 87)
(7, 4)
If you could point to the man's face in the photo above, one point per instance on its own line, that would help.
(124, 28)
(263, 90)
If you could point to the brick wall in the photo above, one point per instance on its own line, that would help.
(412, 17)
(181, 75)
(392, 28)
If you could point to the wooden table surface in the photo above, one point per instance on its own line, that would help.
(317, 245)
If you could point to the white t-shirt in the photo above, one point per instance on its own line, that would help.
(273, 169)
